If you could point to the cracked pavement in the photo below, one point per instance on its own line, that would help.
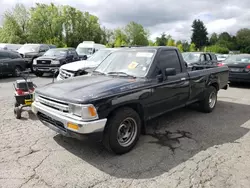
(185, 148)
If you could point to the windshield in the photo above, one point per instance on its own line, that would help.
(191, 57)
(84, 51)
(132, 62)
(238, 59)
(56, 52)
(30, 48)
(100, 55)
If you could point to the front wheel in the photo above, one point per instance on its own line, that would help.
(38, 74)
(122, 131)
(210, 100)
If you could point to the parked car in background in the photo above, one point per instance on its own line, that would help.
(129, 87)
(199, 58)
(84, 66)
(53, 59)
(11, 63)
(88, 48)
(221, 57)
(239, 67)
(12, 47)
(31, 51)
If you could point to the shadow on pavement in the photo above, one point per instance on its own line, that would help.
(240, 85)
(171, 140)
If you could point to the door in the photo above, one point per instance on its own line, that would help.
(203, 59)
(75, 55)
(5, 62)
(43, 49)
(172, 92)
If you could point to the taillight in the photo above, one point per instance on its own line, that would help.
(19, 91)
(248, 67)
(220, 64)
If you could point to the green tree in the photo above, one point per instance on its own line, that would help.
(243, 39)
(46, 24)
(162, 40)
(151, 43)
(15, 29)
(180, 47)
(217, 49)
(120, 38)
(192, 47)
(171, 42)
(199, 36)
(185, 45)
(136, 34)
(213, 39)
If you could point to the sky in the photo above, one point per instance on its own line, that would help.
(170, 16)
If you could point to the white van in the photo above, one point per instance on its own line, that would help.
(88, 48)
(13, 47)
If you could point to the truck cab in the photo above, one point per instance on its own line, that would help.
(87, 48)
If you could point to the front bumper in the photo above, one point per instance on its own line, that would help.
(58, 122)
(46, 69)
(239, 77)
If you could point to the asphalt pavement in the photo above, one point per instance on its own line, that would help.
(184, 148)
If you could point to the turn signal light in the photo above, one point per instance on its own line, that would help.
(92, 111)
(72, 126)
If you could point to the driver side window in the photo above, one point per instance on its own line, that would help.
(202, 58)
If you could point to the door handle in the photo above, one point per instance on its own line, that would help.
(182, 79)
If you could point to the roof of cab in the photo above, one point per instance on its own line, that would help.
(149, 47)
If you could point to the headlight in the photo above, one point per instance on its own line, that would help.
(83, 111)
(55, 62)
(34, 62)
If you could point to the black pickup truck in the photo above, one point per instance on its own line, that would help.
(130, 87)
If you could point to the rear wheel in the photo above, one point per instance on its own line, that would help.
(122, 131)
(17, 71)
(210, 100)
(17, 112)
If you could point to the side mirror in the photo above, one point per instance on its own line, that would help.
(170, 72)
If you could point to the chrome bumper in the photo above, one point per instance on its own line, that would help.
(56, 116)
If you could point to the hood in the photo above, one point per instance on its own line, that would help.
(50, 58)
(77, 65)
(83, 89)
(26, 52)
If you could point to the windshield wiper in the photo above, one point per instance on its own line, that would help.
(98, 72)
(121, 74)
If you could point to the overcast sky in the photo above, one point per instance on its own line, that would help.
(173, 17)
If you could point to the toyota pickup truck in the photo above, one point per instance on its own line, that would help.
(130, 87)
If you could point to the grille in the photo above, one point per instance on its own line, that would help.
(48, 119)
(64, 74)
(53, 103)
(44, 62)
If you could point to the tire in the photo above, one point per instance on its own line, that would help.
(118, 123)
(17, 71)
(31, 66)
(17, 112)
(210, 100)
(38, 74)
